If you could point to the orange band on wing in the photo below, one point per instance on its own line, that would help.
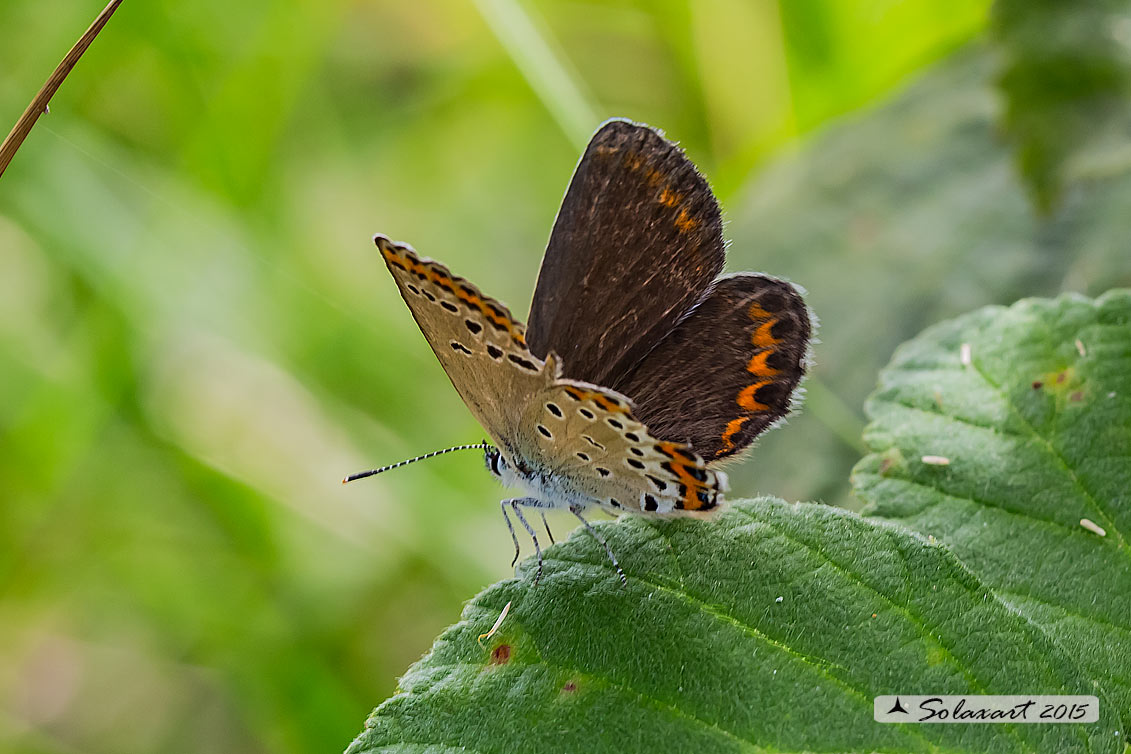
(685, 223)
(764, 341)
(758, 313)
(747, 399)
(758, 366)
(733, 428)
(763, 337)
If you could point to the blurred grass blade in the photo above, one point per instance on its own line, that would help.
(834, 412)
(547, 74)
(39, 104)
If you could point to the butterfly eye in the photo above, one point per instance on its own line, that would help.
(493, 459)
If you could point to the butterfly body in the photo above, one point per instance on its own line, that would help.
(643, 367)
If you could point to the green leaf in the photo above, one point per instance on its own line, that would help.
(768, 629)
(1037, 430)
(902, 216)
(1066, 78)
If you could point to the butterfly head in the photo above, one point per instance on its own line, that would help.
(509, 474)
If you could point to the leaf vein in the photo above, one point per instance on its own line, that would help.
(1073, 530)
(819, 664)
(914, 618)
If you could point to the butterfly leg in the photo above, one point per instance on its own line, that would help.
(549, 533)
(529, 530)
(608, 550)
(510, 527)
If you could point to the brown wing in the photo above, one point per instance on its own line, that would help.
(636, 244)
(728, 371)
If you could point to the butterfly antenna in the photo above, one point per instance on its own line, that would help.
(362, 474)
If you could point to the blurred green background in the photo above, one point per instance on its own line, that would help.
(197, 339)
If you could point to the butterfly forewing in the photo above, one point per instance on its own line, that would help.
(727, 371)
(636, 243)
(479, 345)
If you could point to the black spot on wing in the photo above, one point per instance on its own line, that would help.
(773, 394)
(526, 364)
(783, 328)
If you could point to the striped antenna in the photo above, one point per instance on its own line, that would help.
(362, 474)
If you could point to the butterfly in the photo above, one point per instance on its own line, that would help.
(640, 368)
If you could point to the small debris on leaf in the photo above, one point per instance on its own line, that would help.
(1093, 527)
(494, 628)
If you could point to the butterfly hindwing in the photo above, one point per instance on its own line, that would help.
(589, 440)
(729, 370)
(636, 243)
(479, 345)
